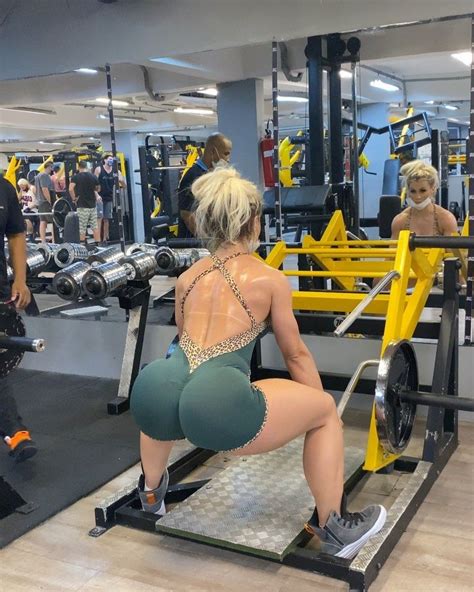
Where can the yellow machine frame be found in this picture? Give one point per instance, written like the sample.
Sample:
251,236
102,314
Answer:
343,261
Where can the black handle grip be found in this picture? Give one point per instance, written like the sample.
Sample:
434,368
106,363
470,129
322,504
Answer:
441,242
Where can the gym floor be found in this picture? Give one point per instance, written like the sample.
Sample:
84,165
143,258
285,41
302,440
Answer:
435,553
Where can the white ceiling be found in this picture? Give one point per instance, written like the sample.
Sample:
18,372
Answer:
409,53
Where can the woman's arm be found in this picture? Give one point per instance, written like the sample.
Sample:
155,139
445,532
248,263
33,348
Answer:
398,224
178,294
298,359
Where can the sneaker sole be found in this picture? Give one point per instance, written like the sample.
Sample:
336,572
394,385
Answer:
25,454
350,551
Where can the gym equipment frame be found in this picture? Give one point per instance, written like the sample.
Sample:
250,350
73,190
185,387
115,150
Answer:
204,504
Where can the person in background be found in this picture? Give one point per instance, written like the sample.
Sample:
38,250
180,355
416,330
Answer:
106,181
28,205
423,216
12,430
59,180
217,151
45,196
83,189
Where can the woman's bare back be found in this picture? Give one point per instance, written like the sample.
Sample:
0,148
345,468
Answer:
212,310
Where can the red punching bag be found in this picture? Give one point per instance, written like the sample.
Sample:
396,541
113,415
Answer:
266,149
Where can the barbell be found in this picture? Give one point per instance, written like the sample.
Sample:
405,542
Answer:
59,211
13,340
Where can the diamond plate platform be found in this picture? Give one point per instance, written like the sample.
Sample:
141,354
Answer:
258,505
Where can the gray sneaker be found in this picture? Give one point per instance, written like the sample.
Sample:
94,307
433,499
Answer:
344,536
153,501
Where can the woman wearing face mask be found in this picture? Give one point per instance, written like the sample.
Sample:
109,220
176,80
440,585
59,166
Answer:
203,392
423,216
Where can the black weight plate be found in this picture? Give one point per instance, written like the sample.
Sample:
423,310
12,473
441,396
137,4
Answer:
398,371
61,209
11,325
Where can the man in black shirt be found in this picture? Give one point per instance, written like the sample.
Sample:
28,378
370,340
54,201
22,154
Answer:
12,226
217,152
83,190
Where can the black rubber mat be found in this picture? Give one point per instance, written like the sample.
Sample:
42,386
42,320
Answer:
81,447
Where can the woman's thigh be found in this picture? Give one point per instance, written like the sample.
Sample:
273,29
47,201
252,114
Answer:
292,410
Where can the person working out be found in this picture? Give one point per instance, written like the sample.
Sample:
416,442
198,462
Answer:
12,429
83,189
45,196
423,216
203,391
59,180
105,174
28,205
217,152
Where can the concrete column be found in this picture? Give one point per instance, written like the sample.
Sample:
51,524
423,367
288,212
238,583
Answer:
240,112
377,151
127,142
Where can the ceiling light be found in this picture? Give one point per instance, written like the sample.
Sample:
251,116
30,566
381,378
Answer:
52,143
115,102
429,102
210,92
121,117
345,74
92,138
33,110
86,71
384,85
196,111
463,56
450,107
285,99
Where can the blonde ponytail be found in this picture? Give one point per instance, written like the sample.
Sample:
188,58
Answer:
227,206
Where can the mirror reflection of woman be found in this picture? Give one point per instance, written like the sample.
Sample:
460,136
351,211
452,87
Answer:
423,216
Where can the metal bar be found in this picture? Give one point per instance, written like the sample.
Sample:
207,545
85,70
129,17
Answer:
345,252
446,362
335,273
470,170
348,243
441,242
22,343
355,147
335,110
437,400
355,314
145,193
118,202
276,142
314,53
349,391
